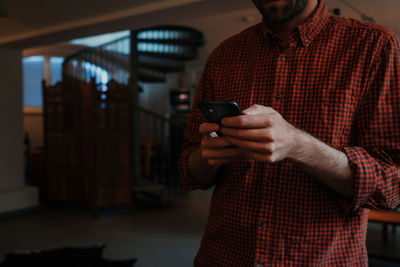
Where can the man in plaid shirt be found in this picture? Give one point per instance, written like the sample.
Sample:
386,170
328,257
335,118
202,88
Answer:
318,144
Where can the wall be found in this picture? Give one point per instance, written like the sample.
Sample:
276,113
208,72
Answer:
33,125
11,137
13,193
155,96
219,27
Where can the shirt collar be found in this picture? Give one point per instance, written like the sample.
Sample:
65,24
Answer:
308,30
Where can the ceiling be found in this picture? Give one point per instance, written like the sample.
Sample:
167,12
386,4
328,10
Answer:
24,14
26,24
32,23
25,19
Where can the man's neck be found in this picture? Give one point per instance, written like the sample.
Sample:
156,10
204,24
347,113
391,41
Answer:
283,30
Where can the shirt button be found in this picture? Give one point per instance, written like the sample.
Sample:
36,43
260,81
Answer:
306,41
264,224
259,265
283,58
279,96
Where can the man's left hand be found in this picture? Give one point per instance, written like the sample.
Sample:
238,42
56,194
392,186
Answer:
262,132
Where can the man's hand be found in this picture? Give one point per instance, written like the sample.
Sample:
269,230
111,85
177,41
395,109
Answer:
212,153
266,136
262,132
216,150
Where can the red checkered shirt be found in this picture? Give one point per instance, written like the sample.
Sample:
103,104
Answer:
337,79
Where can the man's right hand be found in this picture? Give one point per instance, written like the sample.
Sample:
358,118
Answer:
212,153
216,150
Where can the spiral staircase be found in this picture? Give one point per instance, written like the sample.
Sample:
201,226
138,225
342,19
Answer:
160,50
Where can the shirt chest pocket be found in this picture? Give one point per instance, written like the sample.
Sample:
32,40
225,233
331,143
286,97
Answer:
337,108
327,112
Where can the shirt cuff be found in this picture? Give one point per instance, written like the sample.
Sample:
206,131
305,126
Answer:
362,166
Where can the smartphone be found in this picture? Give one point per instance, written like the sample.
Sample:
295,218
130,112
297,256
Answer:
215,111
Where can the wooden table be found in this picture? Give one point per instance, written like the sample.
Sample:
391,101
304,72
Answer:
386,218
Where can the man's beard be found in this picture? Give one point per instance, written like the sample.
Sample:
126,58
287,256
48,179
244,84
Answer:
292,10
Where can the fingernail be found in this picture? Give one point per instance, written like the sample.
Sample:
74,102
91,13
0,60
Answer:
213,134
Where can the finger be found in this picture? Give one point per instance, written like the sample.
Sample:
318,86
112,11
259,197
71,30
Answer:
248,121
262,147
261,135
228,153
213,134
263,157
214,142
218,162
207,128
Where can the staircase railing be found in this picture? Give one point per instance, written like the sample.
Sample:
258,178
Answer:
103,63
161,139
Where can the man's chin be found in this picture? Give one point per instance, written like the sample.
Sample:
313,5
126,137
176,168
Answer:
273,17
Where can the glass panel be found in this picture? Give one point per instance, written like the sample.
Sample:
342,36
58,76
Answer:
32,80
56,69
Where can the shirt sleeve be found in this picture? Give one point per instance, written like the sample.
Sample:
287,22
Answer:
192,137
375,160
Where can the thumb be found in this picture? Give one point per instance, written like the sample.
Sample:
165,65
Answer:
259,109
253,110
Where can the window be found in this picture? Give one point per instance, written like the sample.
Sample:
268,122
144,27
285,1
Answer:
33,76
32,68
56,69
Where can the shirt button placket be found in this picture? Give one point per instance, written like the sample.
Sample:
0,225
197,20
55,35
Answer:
261,229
